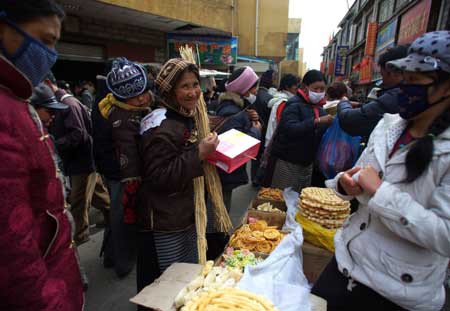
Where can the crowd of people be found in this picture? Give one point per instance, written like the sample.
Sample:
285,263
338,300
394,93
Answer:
130,147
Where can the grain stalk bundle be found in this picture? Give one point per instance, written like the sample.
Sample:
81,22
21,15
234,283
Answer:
213,185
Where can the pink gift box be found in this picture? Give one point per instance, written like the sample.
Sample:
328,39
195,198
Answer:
234,150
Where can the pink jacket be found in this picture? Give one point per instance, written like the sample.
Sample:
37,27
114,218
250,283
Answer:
38,267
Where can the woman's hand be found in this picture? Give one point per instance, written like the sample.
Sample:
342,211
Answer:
347,183
253,115
369,180
256,124
324,120
208,145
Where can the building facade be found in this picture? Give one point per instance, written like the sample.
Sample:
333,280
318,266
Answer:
148,31
293,62
372,26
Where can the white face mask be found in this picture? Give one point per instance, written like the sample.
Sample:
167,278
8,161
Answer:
251,98
316,97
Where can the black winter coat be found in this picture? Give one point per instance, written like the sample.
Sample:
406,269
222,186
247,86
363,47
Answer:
72,130
297,138
361,121
104,152
232,105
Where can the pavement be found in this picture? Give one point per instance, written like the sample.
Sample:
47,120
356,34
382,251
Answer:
109,293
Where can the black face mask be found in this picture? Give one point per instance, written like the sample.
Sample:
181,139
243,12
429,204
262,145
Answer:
413,99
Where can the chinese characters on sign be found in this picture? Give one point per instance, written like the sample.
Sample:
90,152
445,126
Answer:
340,68
212,50
414,22
365,73
371,38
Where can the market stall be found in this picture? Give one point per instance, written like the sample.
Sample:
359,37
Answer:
262,260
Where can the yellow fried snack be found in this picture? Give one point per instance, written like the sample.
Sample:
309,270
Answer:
258,234
260,225
264,247
271,194
229,299
271,234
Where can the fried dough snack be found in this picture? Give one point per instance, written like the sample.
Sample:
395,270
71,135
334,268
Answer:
229,299
256,237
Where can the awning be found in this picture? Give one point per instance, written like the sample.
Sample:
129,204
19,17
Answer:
80,52
251,59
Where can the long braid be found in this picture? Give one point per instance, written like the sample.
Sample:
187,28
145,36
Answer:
421,153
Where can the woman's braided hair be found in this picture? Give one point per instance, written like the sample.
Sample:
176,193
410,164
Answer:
421,153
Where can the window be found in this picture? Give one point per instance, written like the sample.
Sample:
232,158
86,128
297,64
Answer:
386,10
360,33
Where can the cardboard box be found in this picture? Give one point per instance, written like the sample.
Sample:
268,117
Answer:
161,294
315,259
234,150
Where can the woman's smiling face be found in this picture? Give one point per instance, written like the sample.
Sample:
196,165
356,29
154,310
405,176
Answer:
187,91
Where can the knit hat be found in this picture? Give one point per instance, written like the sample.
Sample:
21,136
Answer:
243,83
126,79
430,52
267,79
169,75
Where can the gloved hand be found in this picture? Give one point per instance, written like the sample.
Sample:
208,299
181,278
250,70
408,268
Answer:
129,198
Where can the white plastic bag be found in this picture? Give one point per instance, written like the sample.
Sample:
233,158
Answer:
291,198
280,277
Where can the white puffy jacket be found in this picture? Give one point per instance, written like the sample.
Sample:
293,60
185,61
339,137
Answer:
273,104
398,242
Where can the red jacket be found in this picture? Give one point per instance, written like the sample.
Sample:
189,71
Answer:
38,267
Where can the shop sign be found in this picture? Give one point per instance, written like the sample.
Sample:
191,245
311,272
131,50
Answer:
371,38
340,68
322,67
212,50
414,22
385,40
365,72
386,36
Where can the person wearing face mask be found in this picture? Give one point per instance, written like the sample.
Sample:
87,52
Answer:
360,121
287,90
236,105
124,107
300,129
172,155
37,259
393,253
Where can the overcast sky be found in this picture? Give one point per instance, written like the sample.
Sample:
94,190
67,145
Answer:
319,19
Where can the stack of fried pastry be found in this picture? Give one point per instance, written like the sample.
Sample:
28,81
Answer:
257,237
323,206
